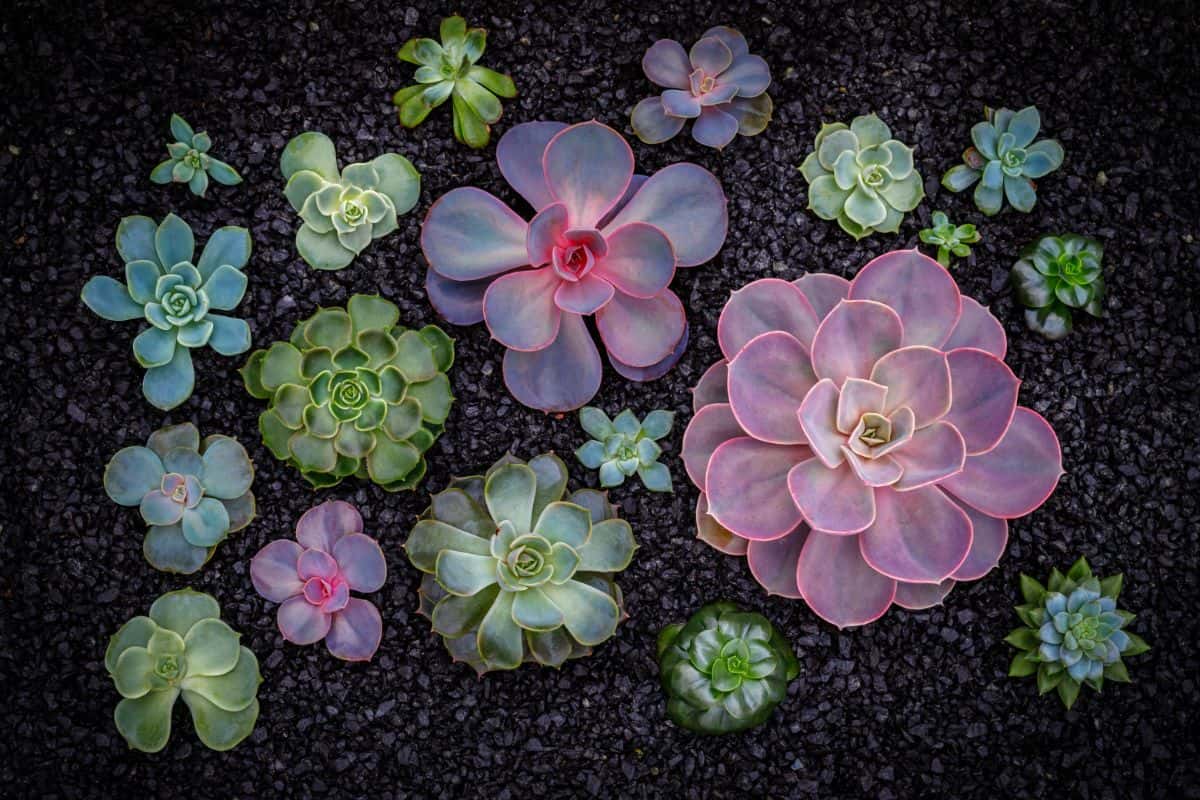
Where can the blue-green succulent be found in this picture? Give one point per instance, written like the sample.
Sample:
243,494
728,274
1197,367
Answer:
622,447
189,160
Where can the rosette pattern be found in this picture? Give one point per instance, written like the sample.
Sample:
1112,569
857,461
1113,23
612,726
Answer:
861,442
1055,275
950,239
623,447
190,162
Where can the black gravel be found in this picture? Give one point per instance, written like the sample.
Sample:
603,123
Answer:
915,705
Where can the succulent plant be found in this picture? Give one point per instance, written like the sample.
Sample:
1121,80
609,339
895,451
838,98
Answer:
861,442
950,239
313,576
1005,160
354,393
190,162
343,212
718,83
1073,632
448,71
191,493
603,241
862,177
514,572
725,670
176,298
1055,275
183,648
623,447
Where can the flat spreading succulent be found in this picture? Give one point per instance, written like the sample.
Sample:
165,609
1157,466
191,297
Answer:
313,576
718,83
862,177
190,162
725,670
176,298
624,447
950,239
1073,632
183,648
448,71
514,572
603,241
343,212
861,442
191,493
354,393
1055,275
1005,160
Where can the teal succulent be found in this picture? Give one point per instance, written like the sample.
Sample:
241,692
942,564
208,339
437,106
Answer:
344,211
950,239
176,298
190,162
1055,275
623,447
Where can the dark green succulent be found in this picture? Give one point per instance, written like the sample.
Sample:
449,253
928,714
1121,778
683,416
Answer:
950,239
190,162
1055,275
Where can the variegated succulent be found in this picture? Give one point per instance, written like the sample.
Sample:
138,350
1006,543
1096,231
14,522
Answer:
190,161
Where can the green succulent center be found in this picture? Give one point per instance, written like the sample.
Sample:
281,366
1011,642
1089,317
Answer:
353,211
1013,158
874,176
525,562
1086,630
179,301
737,665
1070,264
876,430
169,667
192,159
349,393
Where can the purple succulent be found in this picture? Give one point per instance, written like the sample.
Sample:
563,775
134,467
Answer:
602,241
313,576
718,83
861,442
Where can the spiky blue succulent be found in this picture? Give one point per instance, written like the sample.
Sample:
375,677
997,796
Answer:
625,446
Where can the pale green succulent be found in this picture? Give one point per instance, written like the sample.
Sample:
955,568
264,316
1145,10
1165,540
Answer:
191,162
624,447
950,239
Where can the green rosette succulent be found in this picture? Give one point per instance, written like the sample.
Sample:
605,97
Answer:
517,569
623,447
190,162
725,670
862,177
1055,275
344,211
353,393
183,649
950,239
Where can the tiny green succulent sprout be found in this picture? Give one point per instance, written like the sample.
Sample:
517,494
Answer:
190,162
624,446
1073,633
344,211
448,71
950,239
1054,276
183,648
862,177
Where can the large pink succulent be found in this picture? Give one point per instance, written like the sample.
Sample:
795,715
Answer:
603,241
861,442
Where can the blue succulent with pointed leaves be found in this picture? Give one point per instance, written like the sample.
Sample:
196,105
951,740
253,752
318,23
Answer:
189,160
623,447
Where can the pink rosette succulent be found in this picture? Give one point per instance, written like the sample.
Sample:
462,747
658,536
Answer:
603,241
861,442
313,576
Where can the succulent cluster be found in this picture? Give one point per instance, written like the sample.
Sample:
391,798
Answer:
1055,275
190,162
624,446
950,239
183,648
514,572
354,393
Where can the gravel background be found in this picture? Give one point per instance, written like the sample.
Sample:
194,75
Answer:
915,705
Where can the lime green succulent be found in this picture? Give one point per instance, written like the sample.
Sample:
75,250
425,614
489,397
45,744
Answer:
951,239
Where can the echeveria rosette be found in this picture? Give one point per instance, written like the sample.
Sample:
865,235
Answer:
1055,275
1005,160
517,569
718,83
176,297
1073,632
861,442
725,670
625,446
950,239
344,211
191,493
448,71
312,578
353,393
603,241
190,162
183,649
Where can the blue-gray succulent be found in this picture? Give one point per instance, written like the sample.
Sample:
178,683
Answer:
623,447
189,160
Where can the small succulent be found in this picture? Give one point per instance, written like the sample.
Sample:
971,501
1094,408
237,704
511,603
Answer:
183,648
725,670
862,177
176,298
448,71
1004,160
189,160
718,83
313,576
950,239
354,393
516,573
191,493
1055,275
344,211
1073,632
622,447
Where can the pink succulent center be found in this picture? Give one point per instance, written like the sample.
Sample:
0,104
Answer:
326,592
573,261
702,83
